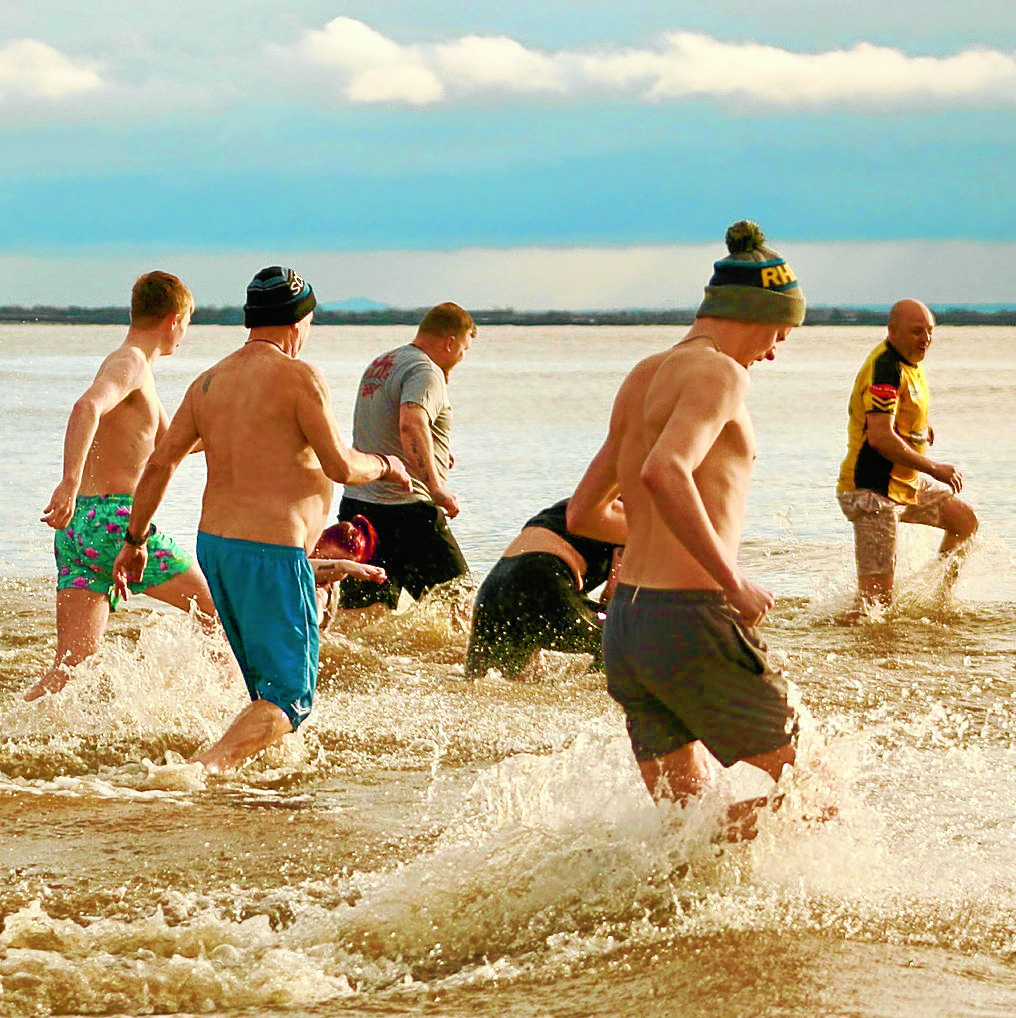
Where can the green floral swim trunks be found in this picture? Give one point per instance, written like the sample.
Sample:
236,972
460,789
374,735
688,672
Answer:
87,548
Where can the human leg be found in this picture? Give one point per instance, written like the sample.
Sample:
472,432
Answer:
189,590
875,520
742,817
694,682
681,775
259,725
418,549
437,557
186,590
266,600
875,588
525,603
959,523
81,619
415,547
937,506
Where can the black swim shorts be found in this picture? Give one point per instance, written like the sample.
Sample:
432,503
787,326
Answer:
415,547
527,602
684,668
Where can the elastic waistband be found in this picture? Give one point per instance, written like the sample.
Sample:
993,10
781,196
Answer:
547,558
119,498
258,547
400,500
627,594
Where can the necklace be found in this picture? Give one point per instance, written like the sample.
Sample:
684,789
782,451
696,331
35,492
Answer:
269,342
688,339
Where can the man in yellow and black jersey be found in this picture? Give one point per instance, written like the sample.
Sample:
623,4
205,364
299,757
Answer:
887,475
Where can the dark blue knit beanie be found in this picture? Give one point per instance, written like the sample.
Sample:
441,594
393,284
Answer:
277,296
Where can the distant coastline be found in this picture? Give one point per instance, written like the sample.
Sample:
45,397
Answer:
46,315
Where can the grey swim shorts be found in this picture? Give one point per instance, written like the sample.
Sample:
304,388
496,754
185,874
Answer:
876,519
684,668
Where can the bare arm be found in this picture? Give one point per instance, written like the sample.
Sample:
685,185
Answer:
163,422
612,578
120,375
176,443
883,438
593,509
418,449
328,570
698,416
340,462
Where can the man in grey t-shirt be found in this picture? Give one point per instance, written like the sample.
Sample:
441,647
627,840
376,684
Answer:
402,408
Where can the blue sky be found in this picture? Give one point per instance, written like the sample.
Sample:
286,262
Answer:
572,154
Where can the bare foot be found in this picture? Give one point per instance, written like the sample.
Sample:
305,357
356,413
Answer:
259,725
52,682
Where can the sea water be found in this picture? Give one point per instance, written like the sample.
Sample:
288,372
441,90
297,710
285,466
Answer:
432,845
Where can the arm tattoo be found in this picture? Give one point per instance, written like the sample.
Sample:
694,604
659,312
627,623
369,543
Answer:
419,461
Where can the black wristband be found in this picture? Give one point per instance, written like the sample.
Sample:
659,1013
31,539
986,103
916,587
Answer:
386,465
137,542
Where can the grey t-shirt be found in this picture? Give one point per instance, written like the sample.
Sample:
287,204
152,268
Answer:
403,375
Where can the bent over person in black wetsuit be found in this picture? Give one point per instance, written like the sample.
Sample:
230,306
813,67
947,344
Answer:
533,597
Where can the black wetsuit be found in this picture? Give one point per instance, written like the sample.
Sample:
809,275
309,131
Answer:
529,601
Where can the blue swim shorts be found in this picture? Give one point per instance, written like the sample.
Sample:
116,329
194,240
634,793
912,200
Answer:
264,594
87,548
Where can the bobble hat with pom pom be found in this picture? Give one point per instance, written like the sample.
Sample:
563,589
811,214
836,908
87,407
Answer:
753,284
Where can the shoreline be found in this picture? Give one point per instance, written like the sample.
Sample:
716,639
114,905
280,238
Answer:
845,315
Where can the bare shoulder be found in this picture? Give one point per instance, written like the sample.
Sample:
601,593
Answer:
124,371
641,376
688,368
125,360
699,384
311,376
708,361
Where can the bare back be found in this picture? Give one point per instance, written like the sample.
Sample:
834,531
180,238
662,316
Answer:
680,416
265,482
126,433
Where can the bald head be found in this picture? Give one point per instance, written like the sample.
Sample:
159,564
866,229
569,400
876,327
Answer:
908,308
911,325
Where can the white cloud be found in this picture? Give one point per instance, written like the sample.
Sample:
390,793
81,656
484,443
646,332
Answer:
349,63
365,67
34,70
476,62
375,69
873,75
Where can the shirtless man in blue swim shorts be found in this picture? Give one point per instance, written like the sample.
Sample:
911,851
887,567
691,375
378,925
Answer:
111,432
681,653
273,450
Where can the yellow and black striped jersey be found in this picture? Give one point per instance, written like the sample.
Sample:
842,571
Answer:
886,384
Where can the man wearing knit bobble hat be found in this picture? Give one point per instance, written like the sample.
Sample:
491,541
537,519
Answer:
273,450
681,653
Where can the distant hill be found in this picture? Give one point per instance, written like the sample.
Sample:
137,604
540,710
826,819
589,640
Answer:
377,314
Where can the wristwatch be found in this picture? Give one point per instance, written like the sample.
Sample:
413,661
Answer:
137,542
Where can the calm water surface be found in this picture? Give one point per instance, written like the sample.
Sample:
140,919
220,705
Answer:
433,846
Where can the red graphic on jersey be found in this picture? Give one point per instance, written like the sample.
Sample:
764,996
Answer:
885,391
884,398
382,367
